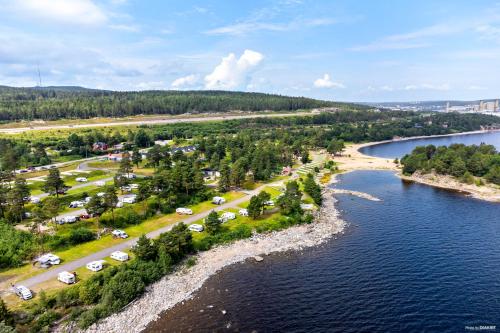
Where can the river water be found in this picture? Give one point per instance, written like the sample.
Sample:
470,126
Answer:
421,260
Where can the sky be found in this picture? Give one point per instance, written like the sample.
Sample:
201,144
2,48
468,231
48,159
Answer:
344,50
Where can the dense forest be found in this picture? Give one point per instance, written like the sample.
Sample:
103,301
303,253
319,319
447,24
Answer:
54,103
458,160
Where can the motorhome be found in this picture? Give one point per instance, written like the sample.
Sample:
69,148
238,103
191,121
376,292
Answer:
130,199
184,211
119,255
66,277
95,266
76,204
23,292
218,200
48,260
227,216
119,234
195,227
67,219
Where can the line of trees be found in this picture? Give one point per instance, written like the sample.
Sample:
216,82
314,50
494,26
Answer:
458,160
60,103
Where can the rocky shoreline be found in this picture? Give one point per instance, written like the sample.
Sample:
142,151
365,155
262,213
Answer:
181,285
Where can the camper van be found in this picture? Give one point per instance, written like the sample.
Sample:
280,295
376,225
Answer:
23,292
95,266
218,200
130,199
243,212
119,234
48,260
196,227
227,216
66,277
184,211
76,204
119,255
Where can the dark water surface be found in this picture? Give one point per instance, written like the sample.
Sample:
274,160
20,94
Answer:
421,260
400,148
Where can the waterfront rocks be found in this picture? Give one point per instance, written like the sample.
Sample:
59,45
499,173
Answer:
181,285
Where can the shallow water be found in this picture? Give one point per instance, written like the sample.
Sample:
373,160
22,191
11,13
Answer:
421,260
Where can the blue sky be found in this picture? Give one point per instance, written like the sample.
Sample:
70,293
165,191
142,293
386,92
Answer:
339,50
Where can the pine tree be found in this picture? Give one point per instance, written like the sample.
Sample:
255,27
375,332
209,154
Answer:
225,177
54,183
136,157
145,249
212,223
110,199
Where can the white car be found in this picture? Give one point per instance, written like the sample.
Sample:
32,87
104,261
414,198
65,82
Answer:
130,176
48,260
243,212
119,233
81,179
218,200
119,255
126,188
35,200
269,203
134,186
184,211
196,227
23,292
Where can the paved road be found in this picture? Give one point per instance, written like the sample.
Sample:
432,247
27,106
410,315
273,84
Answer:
73,265
15,130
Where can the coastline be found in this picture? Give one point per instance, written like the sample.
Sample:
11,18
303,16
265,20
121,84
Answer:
356,160
181,285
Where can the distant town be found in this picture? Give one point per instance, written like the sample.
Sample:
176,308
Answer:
490,106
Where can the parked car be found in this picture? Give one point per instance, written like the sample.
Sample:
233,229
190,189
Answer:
119,255
218,200
66,277
23,292
76,204
243,212
35,200
81,179
68,219
126,188
134,186
195,227
184,211
269,203
119,234
130,176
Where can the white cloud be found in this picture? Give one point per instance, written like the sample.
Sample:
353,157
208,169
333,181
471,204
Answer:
75,12
474,87
253,26
232,73
427,86
326,82
123,27
184,81
150,85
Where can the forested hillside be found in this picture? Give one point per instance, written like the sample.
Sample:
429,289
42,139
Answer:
53,103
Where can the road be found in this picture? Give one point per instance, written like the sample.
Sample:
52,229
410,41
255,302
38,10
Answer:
15,130
73,265
83,185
